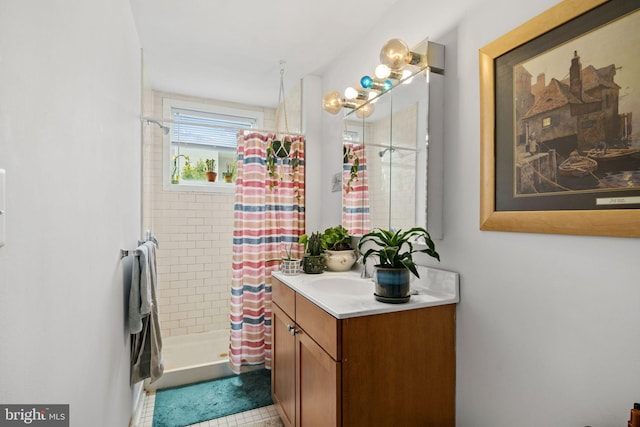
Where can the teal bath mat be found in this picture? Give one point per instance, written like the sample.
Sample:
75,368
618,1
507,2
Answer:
194,403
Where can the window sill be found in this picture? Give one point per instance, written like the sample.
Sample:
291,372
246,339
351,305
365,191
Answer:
202,187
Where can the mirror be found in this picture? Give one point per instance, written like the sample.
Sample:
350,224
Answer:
392,159
385,146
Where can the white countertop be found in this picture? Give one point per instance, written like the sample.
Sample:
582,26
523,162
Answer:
345,295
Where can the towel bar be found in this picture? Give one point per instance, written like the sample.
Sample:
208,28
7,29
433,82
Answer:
132,252
125,253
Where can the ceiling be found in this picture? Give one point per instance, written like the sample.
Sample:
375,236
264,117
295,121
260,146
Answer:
231,49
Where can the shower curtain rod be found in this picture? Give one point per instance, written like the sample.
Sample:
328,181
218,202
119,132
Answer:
160,122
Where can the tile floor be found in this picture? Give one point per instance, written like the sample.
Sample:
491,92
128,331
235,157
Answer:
267,415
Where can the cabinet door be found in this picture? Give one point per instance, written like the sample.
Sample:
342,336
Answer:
283,366
318,385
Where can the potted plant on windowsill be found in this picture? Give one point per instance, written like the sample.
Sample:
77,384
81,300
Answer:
395,260
313,260
228,174
211,170
175,171
339,253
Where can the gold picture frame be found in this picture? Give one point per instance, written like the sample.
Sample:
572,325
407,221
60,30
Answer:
611,220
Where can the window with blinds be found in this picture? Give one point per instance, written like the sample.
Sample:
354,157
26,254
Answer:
203,128
202,139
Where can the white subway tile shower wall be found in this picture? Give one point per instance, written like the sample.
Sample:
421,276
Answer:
195,232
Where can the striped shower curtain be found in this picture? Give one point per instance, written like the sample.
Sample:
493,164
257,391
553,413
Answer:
355,195
268,219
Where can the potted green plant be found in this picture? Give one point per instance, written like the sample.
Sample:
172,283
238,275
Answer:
394,251
175,171
211,170
228,174
349,157
281,148
339,253
313,260
278,154
290,265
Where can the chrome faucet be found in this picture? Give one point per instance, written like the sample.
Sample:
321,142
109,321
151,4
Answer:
364,274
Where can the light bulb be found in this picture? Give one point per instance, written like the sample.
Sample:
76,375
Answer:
332,102
366,82
365,111
350,93
382,71
396,54
379,85
406,77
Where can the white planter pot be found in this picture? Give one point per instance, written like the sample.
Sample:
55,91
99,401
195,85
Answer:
340,260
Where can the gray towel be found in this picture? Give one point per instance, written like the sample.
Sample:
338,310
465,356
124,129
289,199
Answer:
140,302
147,276
144,323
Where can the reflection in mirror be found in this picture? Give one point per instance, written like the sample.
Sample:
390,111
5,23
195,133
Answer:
384,170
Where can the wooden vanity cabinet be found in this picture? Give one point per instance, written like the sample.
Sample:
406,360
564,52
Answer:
391,369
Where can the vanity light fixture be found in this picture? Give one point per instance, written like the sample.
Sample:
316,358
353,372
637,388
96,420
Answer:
398,64
333,103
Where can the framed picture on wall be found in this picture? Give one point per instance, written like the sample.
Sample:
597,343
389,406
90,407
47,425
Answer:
560,122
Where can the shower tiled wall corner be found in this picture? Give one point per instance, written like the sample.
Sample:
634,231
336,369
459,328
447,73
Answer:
194,230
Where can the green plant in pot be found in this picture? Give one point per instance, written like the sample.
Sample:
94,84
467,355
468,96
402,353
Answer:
290,265
175,171
339,253
211,173
350,157
394,251
313,259
228,174
281,148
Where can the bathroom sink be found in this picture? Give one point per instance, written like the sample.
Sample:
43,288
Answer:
341,286
345,294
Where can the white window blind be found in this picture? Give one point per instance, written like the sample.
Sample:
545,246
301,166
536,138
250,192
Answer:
204,128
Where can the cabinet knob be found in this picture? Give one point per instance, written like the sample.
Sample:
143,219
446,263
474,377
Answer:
292,330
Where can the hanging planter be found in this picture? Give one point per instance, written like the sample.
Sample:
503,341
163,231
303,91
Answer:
350,157
281,149
281,153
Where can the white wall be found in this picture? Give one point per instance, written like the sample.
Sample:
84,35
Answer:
548,327
70,142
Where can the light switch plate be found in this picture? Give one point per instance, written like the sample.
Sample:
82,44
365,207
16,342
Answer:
3,207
